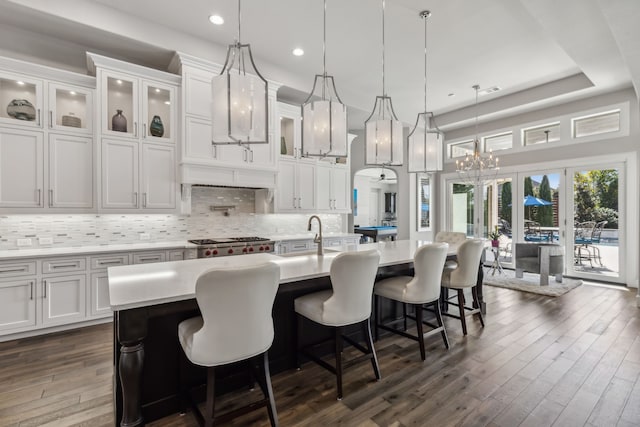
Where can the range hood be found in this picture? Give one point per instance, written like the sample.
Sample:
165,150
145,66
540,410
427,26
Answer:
206,174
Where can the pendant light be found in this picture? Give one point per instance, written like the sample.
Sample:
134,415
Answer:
425,143
477,167
383,130
240,104
324,116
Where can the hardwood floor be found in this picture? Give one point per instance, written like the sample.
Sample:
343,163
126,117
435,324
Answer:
540,361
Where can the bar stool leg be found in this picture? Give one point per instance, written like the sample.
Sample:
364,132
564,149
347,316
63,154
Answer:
211,395
374,359
338,343
441,324
271,408
376,310
461,307
298,345
404,315
418,309
474,292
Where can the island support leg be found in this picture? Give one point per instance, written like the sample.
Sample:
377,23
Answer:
132,329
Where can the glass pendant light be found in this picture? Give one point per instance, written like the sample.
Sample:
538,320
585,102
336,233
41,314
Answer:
240,105
383,130
324,116
425,143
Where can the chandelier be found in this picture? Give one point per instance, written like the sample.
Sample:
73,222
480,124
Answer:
240,103
383,130
425,143
477,167
324,116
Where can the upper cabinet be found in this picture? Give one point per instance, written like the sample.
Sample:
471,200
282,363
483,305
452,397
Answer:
21,100
70,109
137,108
290,131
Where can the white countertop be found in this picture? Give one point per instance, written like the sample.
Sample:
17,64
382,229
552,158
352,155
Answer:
141,285
81,250
309,235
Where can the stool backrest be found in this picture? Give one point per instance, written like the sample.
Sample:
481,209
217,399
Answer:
352,277
428,264
469,254
450,237
236,307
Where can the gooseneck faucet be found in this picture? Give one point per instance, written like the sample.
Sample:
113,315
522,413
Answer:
318,238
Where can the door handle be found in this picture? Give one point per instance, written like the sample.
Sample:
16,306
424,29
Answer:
31,286
135,199
39,117
50,197
135,129
44,289
144,200
50,119
144,131
39,197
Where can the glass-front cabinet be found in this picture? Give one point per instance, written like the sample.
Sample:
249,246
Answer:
70,109
137,108
20,100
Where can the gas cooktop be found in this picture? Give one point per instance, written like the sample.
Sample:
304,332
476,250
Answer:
216,241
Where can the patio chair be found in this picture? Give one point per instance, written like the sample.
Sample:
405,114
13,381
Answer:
593,251
583,232
504,227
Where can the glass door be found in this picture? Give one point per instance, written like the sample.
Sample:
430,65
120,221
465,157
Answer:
597,235
540,208
497,208
462,217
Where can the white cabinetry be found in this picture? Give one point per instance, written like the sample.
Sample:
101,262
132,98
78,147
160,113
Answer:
296,190
120,174
17,303
290,131
158,177
70,109
21,96
70,171
333,187
21,168
63,299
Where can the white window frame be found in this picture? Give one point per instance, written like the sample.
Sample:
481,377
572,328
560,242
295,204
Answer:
419,178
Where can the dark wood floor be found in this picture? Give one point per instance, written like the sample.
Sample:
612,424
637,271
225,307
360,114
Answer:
540,361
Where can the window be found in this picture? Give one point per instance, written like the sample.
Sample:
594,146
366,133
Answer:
498,142
541,134
596,124
424,202
460,149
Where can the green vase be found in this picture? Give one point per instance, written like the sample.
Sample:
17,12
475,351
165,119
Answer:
156,128
283,145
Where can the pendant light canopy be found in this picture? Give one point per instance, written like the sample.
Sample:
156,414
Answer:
240,99
425,142
324,116
383,130
476,167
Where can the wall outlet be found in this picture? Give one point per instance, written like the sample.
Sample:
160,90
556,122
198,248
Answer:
45,240
145,236
24,242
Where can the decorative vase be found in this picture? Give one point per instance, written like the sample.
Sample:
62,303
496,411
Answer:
283,145
119,122
156,128
21,109
495,243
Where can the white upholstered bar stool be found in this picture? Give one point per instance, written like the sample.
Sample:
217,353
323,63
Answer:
347,303
417,291
235,325
465,276
454,239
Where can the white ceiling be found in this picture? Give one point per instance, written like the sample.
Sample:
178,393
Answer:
539,52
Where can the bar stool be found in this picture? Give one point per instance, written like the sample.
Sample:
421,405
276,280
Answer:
463,276
347,303
417,291
235,325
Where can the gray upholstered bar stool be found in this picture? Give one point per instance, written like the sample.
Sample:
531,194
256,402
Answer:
465,276
417,291
235,325
453,238
347,303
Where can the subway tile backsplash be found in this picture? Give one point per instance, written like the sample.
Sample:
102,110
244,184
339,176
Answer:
104,229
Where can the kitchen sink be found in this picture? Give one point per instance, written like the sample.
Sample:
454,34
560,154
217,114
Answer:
327,252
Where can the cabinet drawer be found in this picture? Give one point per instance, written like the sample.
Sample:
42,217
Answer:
17,268
299,246
176,255
332,242
63,265
106,261
149,257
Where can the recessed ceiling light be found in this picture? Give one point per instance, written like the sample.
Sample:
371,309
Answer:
216,19
489,90
298,51
157,90
167,102
72,92
119,81
20,83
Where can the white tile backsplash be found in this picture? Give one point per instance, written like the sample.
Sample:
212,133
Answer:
80,230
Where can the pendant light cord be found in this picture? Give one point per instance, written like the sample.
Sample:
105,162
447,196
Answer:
384,92
425,16
324,41
476,143
239,20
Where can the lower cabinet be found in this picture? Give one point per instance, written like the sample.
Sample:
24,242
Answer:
17,304
99,294
63,299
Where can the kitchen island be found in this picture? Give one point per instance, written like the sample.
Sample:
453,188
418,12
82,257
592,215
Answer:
150,300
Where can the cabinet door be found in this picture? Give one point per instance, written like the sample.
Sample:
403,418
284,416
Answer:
70,109
63,299
262,156
21,166
323,174
158,112
21,100
289,130
119,174
287,197
197,144
158,176
306,181
100,294
119,104
341,189
17,304
197,95
70,172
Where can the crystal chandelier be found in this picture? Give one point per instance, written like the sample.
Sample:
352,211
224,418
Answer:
425,143
324,116
383,130
240,103
477,167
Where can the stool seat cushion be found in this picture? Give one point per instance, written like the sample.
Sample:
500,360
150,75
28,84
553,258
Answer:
394,288
186,329
311,306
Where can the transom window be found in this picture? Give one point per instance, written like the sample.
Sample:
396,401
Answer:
596,124
541,134
460,149
499,142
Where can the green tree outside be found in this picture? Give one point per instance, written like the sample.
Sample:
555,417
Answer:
545,213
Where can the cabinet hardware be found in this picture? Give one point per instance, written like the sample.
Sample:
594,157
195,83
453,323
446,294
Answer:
299,202
150,259
65,265
44,288
31,286
39,117
13,270
50,119
144,130
135,129
135,199
294,202
144,200
50,197
109,262
251,151
39,197
215,150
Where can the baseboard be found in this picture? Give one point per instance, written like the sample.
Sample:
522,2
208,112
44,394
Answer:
53,329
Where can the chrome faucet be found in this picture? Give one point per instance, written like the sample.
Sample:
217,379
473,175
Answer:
318,238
